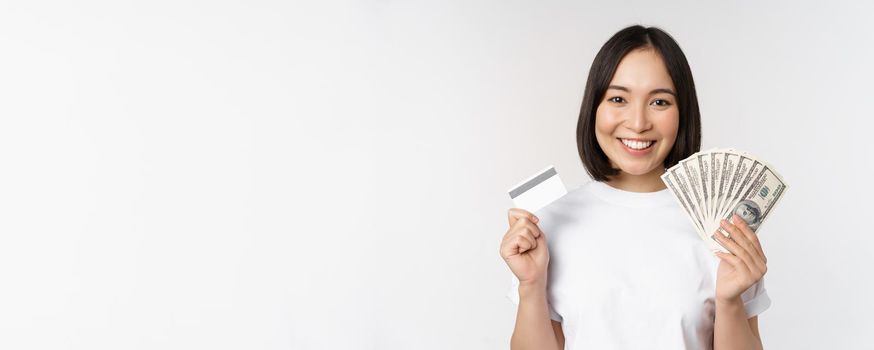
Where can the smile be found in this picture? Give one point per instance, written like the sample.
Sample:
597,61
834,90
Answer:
637,145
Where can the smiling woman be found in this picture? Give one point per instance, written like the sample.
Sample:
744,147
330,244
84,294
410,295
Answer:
613,264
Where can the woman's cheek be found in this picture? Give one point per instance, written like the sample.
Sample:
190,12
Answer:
608,118
669,122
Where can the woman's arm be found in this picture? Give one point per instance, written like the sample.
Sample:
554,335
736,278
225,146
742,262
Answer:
534,329
525,249
737,272
732,330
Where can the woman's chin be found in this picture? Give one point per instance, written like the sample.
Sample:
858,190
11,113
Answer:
637,170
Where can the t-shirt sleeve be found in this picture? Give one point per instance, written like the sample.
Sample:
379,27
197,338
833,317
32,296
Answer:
513,295
756,299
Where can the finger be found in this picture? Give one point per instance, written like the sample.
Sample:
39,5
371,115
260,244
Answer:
541,237
751,235
533,228
525,228
515,245
514,230
514,214
755,264
530,231
523,244
737,245
733,246
524,222
518,224
732,260
741,238
536,233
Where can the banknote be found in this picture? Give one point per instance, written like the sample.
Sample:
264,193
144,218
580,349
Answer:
717,183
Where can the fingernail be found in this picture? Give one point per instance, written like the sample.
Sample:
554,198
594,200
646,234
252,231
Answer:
536,219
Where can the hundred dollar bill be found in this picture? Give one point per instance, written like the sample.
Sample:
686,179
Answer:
753,170
728,165
685,202
693,175
704,165
717,164
714,184
758,200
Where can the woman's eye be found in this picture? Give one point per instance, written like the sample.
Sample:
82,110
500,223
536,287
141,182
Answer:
616,99
661,102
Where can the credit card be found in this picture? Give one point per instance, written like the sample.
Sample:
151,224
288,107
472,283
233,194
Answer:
538,190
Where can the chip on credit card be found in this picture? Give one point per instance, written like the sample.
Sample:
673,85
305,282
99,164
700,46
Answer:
537,191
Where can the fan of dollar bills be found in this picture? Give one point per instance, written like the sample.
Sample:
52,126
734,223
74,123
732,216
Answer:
714,184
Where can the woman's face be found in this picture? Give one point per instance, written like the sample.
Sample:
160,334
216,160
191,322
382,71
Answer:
636,122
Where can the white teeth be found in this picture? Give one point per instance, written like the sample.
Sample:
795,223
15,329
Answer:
637,144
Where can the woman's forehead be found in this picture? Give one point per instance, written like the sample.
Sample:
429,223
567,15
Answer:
642,71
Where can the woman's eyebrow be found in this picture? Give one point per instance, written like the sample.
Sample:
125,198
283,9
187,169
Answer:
653,92
664,90
617,87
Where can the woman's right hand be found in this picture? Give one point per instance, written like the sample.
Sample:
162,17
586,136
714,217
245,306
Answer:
524,247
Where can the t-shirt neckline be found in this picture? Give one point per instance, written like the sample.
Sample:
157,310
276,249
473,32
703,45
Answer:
628,198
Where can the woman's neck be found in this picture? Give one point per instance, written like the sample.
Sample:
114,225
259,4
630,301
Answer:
649,182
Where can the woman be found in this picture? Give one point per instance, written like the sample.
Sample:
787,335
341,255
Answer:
622,268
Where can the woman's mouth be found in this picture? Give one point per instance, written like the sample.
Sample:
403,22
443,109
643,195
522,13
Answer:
637,147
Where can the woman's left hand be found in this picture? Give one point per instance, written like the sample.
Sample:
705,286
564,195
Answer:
745,266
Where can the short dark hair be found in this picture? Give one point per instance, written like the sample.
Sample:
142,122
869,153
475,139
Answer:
604,66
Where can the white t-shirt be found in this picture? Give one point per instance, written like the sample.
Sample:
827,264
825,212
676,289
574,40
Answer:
627,270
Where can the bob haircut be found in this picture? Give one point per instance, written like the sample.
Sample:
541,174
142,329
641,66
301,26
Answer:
604,66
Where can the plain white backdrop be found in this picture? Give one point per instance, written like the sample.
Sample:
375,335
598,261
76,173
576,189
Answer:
332,175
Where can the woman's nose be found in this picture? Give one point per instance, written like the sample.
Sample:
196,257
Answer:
638,120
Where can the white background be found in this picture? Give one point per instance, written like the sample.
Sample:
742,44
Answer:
274,175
